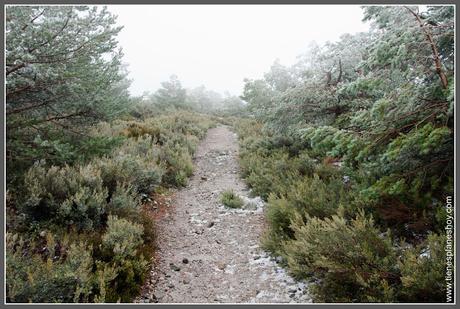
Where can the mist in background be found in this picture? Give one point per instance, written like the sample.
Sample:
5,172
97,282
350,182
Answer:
220,45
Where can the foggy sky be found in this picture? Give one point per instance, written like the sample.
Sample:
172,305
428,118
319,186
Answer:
220,45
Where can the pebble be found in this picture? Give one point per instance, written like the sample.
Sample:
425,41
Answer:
174,267
221,266
185,260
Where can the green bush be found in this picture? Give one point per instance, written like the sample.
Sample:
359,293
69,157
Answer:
142,175
124,203
423,271
230,199
121,241
122,237
272,173
317,198
131,274
68,196
31,278
353,261
279,214
179,165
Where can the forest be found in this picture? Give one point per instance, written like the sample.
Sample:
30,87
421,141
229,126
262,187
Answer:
351,150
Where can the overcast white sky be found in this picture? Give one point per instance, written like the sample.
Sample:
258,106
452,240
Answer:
220,45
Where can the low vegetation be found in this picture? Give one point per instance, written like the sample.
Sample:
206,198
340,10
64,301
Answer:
231,199
352,148
80,233
85,158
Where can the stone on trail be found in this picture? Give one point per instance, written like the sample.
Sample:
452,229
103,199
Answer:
174,267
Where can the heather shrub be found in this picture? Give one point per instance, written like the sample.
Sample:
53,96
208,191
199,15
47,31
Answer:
231,199
124,203
179,165
312,196
68,196
269,174
131,274
182,123
423,271
169,140
122,237
55,278
141,147
121,242
132,170
353,260
138,130
256,174
279,214
144,218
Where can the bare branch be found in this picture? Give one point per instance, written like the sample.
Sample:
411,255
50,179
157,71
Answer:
434,49
33,19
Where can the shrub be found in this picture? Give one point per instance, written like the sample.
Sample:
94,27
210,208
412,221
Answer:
122,237
353,261
30,278
143,176
311,196
69,196
137,130
179,165
279,214
131,275
230,199
122,240
423,270
271,173
124,203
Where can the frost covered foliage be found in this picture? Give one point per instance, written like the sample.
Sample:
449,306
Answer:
65,196
172,97
352,148
80,162
63,73
89,235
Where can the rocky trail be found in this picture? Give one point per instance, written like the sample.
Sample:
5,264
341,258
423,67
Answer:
208,253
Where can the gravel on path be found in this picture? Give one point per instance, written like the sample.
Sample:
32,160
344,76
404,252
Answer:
207,253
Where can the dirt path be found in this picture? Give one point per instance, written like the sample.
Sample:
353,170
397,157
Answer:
208,253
